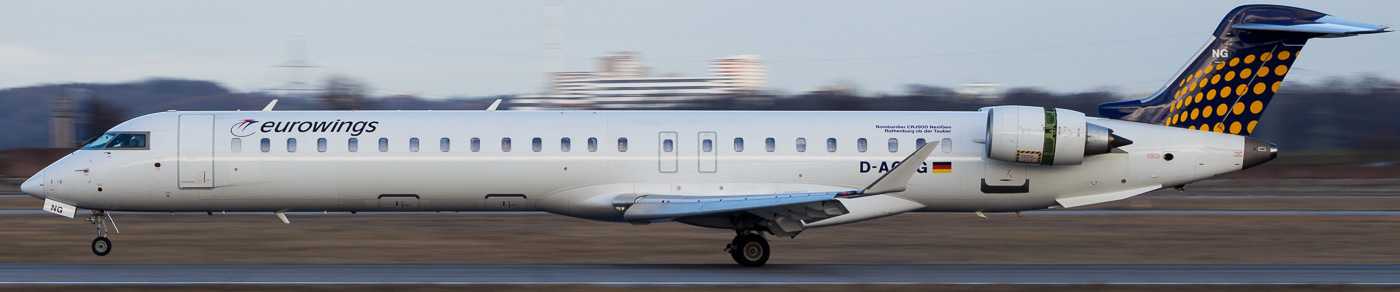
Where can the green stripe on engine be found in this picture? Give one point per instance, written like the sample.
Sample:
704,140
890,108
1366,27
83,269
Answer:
1047,156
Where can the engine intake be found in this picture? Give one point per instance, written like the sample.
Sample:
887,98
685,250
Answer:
1045,136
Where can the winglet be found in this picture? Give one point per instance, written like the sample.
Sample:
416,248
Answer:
494,105
269,106
898,178
283,216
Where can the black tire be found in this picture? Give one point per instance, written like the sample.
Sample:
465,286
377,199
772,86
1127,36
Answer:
101,246
750,250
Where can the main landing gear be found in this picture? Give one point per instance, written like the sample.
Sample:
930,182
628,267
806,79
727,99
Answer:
749,249
101,245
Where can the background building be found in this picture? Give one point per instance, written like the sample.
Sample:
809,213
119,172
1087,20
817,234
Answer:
622,83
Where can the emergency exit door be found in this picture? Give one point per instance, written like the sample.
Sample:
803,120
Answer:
708,154
196,151
667,152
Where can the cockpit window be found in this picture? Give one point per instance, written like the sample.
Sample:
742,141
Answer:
101,141
118,140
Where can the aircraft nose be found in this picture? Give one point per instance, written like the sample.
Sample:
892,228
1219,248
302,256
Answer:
33,186
1258,152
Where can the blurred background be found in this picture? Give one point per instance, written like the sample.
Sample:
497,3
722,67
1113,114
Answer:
71,70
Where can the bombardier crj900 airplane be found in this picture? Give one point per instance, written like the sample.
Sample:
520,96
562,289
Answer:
757,173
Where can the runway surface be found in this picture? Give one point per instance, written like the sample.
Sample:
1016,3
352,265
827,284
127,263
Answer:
627,274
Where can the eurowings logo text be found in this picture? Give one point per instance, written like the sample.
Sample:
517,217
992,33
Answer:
248,127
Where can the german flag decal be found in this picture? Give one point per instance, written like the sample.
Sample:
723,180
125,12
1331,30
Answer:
940,167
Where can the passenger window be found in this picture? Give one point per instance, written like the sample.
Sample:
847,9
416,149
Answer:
536,144
266,145
444,144
946,144
770,144
321,145
353,144
738,144
801,144
564,144
383,144
622,144
894,145
236,145
505,144
291,144
830,144
708,145
860,145
412,144
668,145
592,144
476,144
920,143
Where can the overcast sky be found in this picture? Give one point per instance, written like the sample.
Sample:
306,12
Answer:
477,48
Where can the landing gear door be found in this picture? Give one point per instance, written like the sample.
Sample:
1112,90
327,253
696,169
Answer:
196,148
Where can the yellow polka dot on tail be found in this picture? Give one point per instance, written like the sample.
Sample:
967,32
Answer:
1229,75
1191,128
1198,96
1234,61
1281,69
1235,128
1206,113
1240,90
1238,109
1256,107
1281,56
1259,88
1195,113
1245,73
1250,128
1249,59
1225,92
1265,57
1210,95
1220,110
1219,127
1219,65
1263,71
1274,87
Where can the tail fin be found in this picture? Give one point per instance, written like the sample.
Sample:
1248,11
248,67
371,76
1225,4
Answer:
1226,87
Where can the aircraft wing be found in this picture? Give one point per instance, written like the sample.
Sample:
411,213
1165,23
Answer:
806,205
786,211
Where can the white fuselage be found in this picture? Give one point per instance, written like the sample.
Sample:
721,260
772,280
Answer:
206,166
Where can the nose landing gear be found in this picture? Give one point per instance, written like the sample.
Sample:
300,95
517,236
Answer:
749,249
101,245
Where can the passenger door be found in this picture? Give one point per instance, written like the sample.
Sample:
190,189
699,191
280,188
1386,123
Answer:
196,148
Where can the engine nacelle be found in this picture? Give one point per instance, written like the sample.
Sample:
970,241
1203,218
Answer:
1045,136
